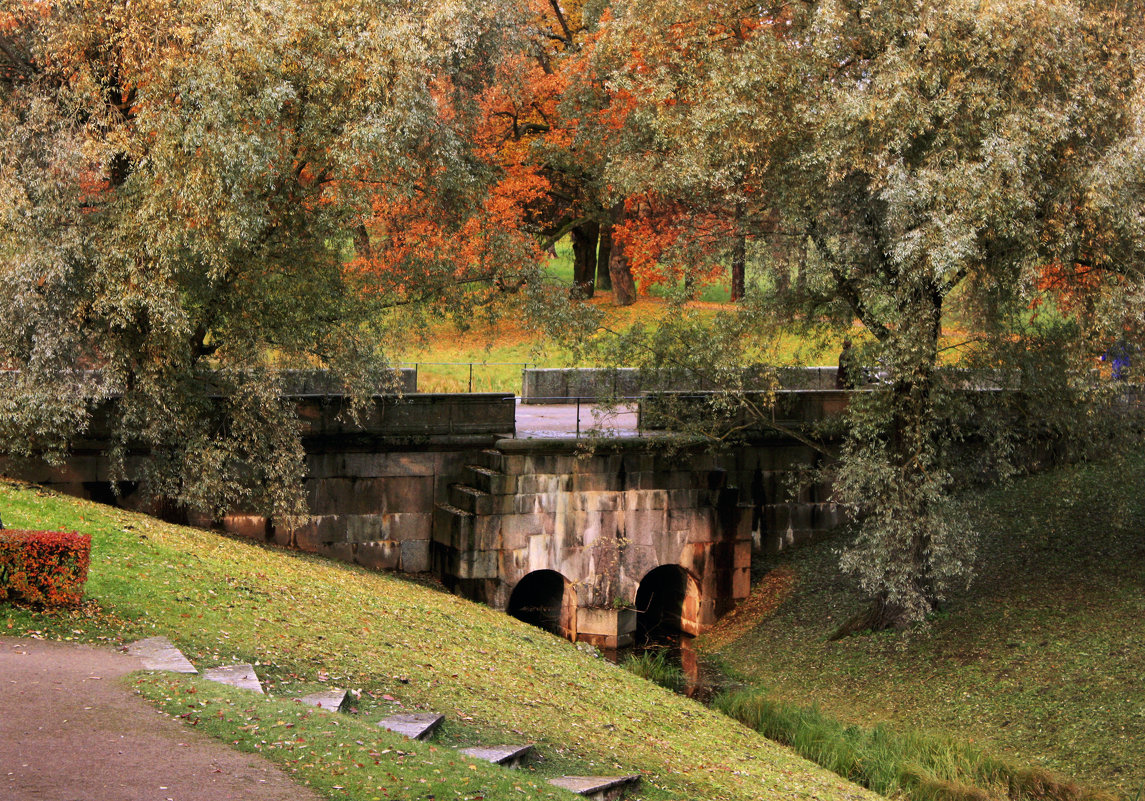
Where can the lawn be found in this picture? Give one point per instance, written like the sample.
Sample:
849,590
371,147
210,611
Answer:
1041,661
308,622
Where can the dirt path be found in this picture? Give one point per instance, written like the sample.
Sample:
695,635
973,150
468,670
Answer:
70,730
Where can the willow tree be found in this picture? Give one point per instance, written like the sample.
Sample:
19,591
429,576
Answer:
904,157
180,189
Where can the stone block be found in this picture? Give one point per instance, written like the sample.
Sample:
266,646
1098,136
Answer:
342,551
606,628
742,555
594,482
541,553
543,484
255,527
509,756
332,700
486,532
355,528
471,499
490,481
597,788
241,675
159,653
596,501
304,537
645,526
370,465
741,583
637,500
478,565
416,726
446,522
385,555
516,530
415,556
513,565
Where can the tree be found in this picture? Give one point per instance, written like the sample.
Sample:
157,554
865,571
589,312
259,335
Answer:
913,156
180,187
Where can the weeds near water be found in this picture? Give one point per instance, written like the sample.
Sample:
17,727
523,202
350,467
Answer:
657,667
923,767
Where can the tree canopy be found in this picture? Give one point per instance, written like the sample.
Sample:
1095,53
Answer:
895,162
180,185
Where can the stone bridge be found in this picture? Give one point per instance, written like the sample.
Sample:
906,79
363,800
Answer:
638,532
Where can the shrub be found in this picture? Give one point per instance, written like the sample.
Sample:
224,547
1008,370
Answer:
47,567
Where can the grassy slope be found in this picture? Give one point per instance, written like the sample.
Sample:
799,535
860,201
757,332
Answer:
305,620
1042,659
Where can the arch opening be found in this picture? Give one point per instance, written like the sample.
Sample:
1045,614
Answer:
667,604
547,600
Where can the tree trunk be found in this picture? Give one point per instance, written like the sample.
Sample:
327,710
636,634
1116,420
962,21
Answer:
623,285
880,615
603,278
584,243
739,255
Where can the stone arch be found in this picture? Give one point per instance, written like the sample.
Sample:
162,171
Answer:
547,600
667,600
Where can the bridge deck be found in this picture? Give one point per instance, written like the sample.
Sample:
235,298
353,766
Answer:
544,421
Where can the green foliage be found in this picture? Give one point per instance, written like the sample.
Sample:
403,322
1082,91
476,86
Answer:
177,185
904,157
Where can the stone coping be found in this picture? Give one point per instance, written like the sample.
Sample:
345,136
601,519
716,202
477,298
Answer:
415,725
241,675
158,653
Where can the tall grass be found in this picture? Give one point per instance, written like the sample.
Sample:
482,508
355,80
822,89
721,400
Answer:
657,667
923,767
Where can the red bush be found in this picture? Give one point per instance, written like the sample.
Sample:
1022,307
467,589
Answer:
48,567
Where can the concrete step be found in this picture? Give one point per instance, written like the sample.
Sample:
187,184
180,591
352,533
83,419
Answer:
598,788
416,726
241,675
488,480
333,700
158,653
509,756
470,499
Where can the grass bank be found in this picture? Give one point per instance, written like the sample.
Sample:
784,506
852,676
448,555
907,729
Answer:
1041,662
307,622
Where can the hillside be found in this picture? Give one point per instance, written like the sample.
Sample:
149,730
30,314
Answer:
307,622
1040,661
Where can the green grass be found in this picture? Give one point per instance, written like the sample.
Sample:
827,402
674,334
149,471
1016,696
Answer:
892,762
309,622
1041,662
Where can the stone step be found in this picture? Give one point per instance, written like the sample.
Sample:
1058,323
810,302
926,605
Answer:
333,700
158,653
488,480
492,459
415,725
598,788
510,756
241,675
470,499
